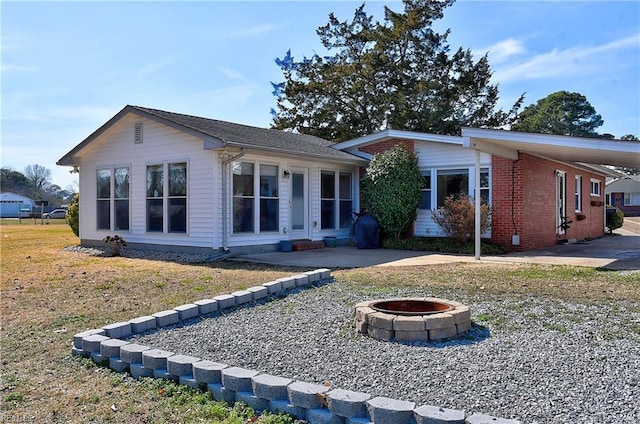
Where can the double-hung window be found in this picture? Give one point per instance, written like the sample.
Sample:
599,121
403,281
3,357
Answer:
452,182
269,201
112,199
595,187
336,199
327,200
346,200
578,195
426,191
167,197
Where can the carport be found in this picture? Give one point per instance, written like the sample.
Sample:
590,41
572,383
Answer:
509,144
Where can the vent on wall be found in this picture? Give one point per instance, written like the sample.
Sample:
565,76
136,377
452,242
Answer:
137,138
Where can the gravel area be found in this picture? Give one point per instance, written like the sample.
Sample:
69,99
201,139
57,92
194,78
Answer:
533,359
155,255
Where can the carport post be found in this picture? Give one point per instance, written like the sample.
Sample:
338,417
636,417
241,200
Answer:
477,211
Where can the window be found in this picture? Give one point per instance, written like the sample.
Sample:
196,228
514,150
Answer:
485,188
595,187
346,200
112,195
269,202
426,191
632,199
327,200
578,193
243,197
246,206
167,197
452,182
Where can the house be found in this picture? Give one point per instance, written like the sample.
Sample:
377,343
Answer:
165,180
538,192
13,205
624,193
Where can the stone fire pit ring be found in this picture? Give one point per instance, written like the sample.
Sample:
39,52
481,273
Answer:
412,319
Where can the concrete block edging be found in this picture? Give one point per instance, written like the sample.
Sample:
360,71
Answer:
315,403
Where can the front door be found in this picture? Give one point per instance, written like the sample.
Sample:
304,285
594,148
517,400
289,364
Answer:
299,204
561,194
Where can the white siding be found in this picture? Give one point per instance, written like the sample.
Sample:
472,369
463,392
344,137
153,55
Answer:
433,156
161,144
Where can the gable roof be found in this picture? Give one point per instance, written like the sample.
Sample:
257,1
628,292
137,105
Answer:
219,134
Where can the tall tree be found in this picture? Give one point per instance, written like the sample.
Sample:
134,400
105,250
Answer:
14,181
398,74
561,113
39,177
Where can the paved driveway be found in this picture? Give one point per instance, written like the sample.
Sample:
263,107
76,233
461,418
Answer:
620,251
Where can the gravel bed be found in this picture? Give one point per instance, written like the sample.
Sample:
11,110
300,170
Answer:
142,254
533,359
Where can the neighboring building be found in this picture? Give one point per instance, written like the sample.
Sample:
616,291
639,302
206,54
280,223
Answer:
15,206
167,180
530,197
624,193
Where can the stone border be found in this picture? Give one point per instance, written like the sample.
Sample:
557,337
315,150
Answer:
317,404
388,326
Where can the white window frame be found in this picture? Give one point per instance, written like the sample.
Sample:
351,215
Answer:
578,193
112,199
166,198
595,187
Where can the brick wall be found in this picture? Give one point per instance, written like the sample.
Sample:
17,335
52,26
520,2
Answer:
524,202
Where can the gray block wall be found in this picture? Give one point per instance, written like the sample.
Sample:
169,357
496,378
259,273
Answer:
317,404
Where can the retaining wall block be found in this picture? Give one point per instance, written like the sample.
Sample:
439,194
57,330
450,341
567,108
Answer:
119,330
273,287
382,320
111,348
362,327
411,336
138,370
305,395
207,372
314,276
118,365
379,333
323,416
164,375
258,292
428,414
207,306
383,410
238,379
463,327
443,333
185,380
257,403
347,403
155,359
188,311
132,353
91,344
77,339
166,318
181,365
437,321
278,405
488,419
271,387
221,393
288,283
242,296
302,280
363,311
225,301
408,323
461,314
142,324
325,273
98,358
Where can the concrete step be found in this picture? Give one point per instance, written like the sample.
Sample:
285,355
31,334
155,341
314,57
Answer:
299,245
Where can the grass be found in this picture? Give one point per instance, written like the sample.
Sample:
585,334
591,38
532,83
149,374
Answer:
49,294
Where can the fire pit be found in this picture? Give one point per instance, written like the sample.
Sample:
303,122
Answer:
412,319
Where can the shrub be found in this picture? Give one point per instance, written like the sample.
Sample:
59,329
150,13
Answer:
73,215
457,217
615,219
116,243
391,189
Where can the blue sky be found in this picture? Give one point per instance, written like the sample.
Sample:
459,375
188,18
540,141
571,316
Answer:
67,67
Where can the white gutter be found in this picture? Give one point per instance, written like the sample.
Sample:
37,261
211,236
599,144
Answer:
225,201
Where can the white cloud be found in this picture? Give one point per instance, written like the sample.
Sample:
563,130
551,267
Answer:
505,50
573,61
256,30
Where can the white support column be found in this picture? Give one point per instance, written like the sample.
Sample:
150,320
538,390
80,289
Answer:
477,203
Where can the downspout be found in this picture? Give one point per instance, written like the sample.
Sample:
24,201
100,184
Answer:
225,200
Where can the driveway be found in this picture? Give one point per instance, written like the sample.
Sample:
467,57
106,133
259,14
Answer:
620,251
